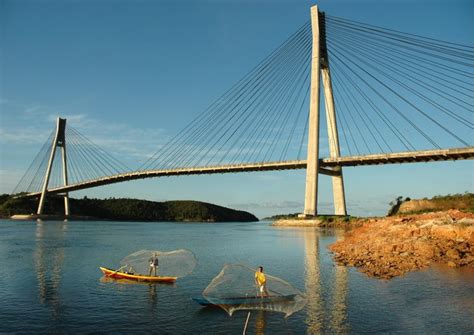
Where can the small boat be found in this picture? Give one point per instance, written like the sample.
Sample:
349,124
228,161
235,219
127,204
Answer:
247,300
118,274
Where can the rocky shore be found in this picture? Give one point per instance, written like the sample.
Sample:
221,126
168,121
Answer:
392,246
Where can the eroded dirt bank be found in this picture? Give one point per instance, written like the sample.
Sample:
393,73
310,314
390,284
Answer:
391,246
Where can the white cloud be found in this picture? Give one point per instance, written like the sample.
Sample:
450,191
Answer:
22,135
120,140
31,124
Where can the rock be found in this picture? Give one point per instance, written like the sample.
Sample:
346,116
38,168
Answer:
466,221
467,260
448,219
452,254
451,264
444,232
426,224
389,247
424,250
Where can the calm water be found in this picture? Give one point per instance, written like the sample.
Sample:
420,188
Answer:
50,282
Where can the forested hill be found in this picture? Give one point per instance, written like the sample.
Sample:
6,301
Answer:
128,209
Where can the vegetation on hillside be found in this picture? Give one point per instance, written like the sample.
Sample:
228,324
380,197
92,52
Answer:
395,205
463,202
281,217
128,209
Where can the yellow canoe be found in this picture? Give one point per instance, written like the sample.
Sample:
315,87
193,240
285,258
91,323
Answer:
138,277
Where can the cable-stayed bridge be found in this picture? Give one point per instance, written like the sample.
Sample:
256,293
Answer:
388,97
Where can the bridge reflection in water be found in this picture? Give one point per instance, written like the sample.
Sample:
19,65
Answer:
316,307
326,311
49,260
315,314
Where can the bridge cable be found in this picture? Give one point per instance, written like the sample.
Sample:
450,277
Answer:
238,103
358,108
402,60
406,101
436,48
388,123
221,120
233,90
438,106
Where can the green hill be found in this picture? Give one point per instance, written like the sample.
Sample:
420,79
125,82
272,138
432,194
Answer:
128,209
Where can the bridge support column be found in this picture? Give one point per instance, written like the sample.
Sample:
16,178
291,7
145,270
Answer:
334,150
312,162
65,179
320,65
59,140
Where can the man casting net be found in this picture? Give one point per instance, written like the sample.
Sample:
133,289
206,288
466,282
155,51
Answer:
239,287
176,263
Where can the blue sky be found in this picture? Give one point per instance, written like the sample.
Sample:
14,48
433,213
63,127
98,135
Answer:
130,74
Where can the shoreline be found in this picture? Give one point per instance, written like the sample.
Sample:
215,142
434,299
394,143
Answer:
323,221
47,217
392,246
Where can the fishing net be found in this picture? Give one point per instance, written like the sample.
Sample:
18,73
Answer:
234,289
176,263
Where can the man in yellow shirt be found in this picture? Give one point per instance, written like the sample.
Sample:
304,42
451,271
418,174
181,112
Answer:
261,282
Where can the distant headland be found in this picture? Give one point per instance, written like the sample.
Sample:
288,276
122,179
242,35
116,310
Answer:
125,209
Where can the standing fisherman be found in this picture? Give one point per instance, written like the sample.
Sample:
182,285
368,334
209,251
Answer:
153,264
261,281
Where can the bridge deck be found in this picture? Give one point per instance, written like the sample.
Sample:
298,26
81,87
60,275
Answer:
325,163
401,157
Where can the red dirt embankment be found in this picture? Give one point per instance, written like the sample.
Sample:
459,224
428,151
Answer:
391,246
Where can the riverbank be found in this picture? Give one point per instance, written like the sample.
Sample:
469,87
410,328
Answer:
392,246
322,221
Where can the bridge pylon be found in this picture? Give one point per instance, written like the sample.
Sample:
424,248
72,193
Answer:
320,67
59,140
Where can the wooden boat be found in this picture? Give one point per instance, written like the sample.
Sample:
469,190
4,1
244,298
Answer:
116,274
247,301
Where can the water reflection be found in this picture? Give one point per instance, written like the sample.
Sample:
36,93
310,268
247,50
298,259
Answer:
145,293
315,309
339,295
152,296
48,260
315,315
260,323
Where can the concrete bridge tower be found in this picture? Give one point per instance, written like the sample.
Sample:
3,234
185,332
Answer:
59,140
320,67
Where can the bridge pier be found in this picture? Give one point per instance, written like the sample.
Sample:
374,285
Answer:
58,141
312,161
334,150
320,66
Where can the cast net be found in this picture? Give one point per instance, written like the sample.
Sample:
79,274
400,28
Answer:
234,288
176,263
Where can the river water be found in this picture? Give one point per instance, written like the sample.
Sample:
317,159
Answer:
51,283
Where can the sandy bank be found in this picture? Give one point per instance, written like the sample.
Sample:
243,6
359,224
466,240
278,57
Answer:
320,221
391,246
296,223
